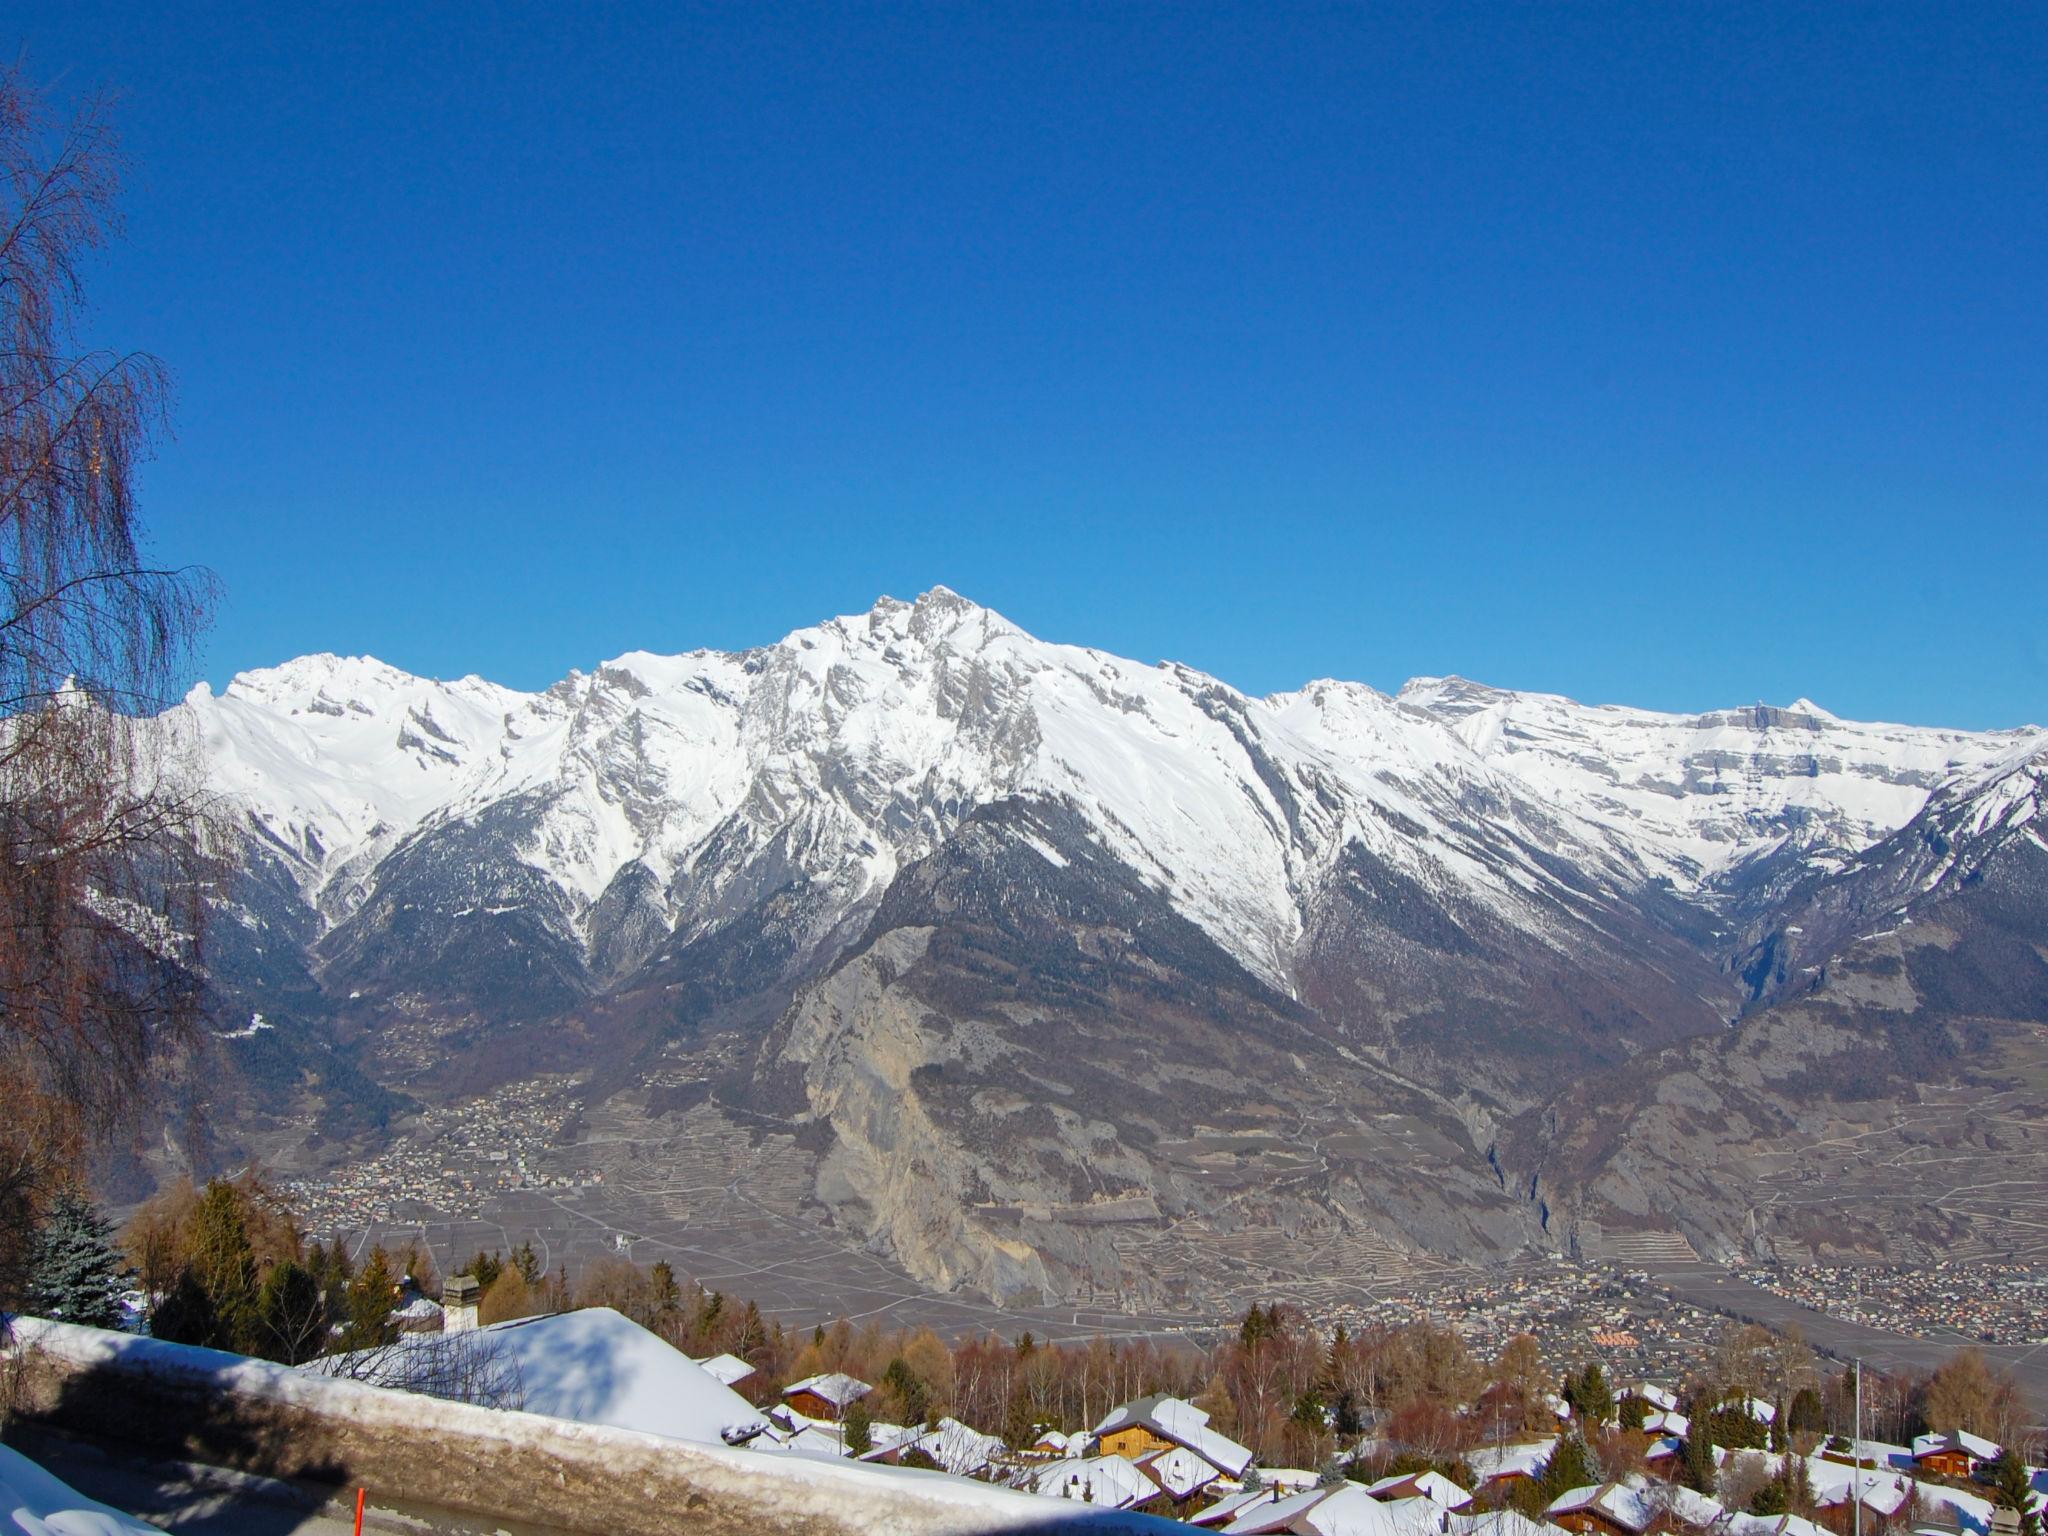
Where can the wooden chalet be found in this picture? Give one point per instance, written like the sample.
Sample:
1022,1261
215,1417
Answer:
1956,1455
825,1397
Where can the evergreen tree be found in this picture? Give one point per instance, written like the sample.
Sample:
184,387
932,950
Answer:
223,1263
1807,1415
665,1299
2013,1487
184,1314
1254,1479
1696,1461
366,1321
527,1262
75,1273
859,1436
1632,1411
1591,1398
1019,1428
1570,1466
1345,1417
912,1396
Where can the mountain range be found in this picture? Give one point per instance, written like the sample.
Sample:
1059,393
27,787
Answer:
1074,976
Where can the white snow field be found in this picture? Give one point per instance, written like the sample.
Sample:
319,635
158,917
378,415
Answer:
33,1503
595,1366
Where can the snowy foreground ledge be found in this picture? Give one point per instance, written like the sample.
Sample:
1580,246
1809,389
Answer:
258,1417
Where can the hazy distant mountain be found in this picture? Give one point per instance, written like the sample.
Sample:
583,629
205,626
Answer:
1055,932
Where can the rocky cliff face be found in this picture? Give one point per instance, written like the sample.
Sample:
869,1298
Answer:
1080,974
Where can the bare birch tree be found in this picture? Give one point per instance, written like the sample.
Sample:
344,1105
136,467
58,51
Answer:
99,908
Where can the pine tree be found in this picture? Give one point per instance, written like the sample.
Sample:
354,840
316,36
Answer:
223,1263
859,1436
75,1273
527,1262
1570,1466
1696,1468
366,1323
665,1300
2013,1487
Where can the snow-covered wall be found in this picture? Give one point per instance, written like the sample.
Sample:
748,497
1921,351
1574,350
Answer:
253,1416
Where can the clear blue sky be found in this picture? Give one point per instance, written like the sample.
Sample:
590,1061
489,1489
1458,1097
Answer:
1672,355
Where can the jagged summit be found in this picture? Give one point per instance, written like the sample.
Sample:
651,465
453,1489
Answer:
1094,901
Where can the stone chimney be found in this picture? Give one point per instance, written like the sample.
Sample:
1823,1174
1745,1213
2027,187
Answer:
459,1297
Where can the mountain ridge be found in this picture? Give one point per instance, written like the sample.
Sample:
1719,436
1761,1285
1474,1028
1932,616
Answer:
1451,901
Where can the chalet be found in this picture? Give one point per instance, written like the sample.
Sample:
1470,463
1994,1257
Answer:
1956,1455
730,1369
1431,1485
1344,1510
1666,1422
1660,1399
1883,1496
825,1397
1186,1481
1497,1468
1663,1451
1158,1423
948,1445
1108,1482
1052,1442
1231,1505
1604,1509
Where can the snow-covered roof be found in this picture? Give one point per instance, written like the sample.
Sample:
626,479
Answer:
1630,1508
36,1502
1230,1506
1429,1484
1755,1407
955,1447
1884,1492
726,1368
1666,1422
594,1366
1976,1447
1180,1421
1108,1482
1256,1519
1496,1522
1179,1470
835,1387
1520,1460
1651,1393
1344,1510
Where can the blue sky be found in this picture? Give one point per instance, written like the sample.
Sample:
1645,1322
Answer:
1670,355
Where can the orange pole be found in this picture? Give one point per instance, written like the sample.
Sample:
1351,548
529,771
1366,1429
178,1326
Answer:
359,1510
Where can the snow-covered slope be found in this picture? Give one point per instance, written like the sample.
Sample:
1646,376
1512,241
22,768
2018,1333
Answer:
658,796
1701,796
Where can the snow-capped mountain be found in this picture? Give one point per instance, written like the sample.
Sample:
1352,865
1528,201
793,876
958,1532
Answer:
685,785
910,864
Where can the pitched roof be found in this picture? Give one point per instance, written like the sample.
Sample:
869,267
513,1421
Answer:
727,1368
1523,1460
1109,1482
835,1387
1179,1470
1428,1484
1627,1507
1175,1419
1976,1447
